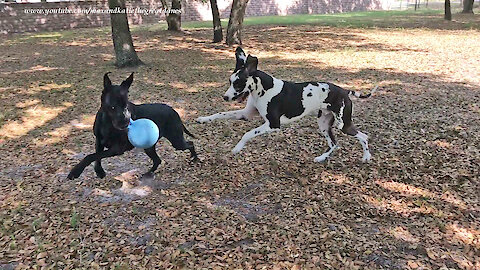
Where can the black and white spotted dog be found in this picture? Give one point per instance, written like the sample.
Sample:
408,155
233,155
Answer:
281,102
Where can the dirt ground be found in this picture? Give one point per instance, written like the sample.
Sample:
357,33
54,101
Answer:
414,206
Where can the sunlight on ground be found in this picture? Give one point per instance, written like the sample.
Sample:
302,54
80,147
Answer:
84,122
55,136
47,87
91,42
339,179
411,191
33,69
404,189
467,236
440,144
454,200
47,35
403,234
31,119
405,208
27,103
184,87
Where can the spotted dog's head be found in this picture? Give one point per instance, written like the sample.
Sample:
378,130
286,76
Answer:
244,68
115,101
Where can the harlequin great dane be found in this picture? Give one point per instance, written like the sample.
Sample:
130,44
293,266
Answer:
281,102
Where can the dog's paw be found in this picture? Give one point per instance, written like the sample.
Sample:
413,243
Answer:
73,174
237,149
321,158
366,157
203,119
148,175
100,172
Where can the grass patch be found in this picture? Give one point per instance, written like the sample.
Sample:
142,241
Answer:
422,18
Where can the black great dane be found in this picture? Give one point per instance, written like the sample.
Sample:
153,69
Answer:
111,127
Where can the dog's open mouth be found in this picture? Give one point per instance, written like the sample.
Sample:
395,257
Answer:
121,127
241,97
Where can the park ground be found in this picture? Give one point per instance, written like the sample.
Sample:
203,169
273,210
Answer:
414,206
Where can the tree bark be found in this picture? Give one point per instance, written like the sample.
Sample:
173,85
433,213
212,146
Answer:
235,23
467,6
448,11
217,24
122,39
174,19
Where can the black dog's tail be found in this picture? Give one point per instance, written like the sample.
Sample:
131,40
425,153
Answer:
358,95
188,132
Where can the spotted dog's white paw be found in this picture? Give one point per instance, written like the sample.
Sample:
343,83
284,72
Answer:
237,149
203,119
366,157
321,158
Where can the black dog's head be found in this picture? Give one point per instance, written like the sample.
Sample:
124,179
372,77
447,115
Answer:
115,101
244,69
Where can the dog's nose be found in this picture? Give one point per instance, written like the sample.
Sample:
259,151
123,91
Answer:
225,98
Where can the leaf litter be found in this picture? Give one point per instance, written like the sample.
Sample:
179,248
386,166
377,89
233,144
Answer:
415,206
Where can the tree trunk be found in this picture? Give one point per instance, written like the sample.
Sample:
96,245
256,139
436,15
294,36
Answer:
448,10
234,30
122,39
467,6
217,24
164,5
174,19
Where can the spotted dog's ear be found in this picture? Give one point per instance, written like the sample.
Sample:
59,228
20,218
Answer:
241,58
251,64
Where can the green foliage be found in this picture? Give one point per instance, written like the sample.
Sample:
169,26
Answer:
74,219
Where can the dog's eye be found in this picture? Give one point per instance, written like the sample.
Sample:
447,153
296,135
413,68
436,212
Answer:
112,108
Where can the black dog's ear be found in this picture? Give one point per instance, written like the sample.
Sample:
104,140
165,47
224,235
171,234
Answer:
126,84
241,57
106,81
251,64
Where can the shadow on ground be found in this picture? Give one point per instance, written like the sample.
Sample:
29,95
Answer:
415,205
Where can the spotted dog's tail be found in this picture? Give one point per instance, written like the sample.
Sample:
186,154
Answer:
358,95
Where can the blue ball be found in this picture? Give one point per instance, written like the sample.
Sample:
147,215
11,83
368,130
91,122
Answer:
143,133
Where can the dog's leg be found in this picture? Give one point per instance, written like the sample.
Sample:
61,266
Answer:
362,138
244,114
179,143
239,114
265,128
325,122
193,154
151,153
349,128
98,164
78,169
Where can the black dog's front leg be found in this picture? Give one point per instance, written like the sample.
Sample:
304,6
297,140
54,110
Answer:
98,163
78,169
